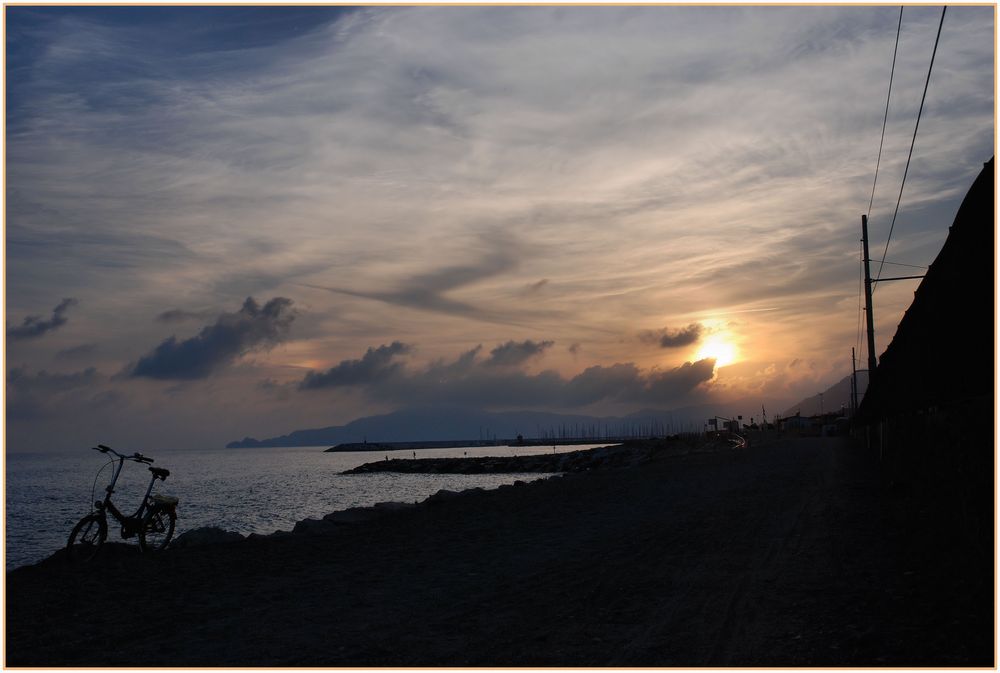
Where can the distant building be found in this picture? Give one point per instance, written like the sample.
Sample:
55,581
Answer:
796,422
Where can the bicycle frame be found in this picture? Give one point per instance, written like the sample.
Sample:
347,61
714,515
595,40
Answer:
130,524
153,522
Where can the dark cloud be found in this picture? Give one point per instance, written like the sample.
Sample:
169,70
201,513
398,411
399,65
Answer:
515,353
32,395
664,385
681,337
464,363
674,338
593,384
252,328
35,326
470,381
377,364
574,349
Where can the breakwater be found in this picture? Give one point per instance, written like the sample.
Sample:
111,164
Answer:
620,455
460,443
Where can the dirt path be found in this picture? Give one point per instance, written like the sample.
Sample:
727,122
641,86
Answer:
781,555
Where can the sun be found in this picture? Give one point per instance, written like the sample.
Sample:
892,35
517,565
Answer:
718,348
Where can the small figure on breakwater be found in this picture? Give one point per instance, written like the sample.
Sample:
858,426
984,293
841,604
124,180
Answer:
387,459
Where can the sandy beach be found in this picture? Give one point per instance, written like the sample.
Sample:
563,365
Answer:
790,554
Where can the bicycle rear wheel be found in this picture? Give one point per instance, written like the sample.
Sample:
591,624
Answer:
157,529
87,537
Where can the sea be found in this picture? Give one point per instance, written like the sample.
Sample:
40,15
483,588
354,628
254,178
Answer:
259,490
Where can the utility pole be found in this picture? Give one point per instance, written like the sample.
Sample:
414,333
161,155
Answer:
854,384
868,300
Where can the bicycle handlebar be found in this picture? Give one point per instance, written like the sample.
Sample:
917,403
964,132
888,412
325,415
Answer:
137,457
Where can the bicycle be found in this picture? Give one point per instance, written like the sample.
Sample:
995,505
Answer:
153,522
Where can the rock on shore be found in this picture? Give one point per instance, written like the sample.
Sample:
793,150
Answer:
629,453
605,457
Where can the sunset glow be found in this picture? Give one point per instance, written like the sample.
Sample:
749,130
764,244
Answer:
716,347
232,221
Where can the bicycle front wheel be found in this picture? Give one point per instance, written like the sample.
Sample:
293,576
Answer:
87,537
157,529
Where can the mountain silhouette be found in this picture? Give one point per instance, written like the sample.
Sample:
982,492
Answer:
460,423
830,400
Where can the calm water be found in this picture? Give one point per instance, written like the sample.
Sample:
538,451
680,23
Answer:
244,490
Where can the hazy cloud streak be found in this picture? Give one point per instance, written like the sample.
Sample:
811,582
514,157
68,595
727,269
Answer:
32,395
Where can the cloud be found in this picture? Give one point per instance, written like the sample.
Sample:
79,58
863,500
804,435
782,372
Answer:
252,328
77,352
34,395
673,383
35,326
596,383
180,315
514,353
674,338
536,287
430,290
375,365
471,381
274,389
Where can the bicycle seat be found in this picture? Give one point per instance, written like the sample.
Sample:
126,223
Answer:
160,472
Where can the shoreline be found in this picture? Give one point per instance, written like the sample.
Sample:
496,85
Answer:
626,454
785,555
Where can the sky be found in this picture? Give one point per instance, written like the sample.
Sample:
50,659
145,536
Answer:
226,221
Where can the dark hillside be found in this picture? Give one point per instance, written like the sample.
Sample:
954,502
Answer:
929,413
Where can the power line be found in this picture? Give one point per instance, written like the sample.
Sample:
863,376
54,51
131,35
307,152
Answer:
885,118
878,162
912,266
912,141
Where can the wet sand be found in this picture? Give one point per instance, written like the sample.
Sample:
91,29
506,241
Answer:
784,555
